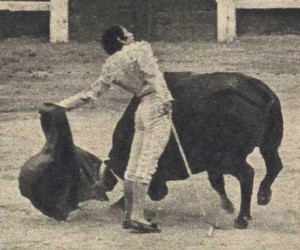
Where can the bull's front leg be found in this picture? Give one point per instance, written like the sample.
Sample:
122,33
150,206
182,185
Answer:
217,182
245,175
158,188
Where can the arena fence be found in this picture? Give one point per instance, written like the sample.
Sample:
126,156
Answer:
226,13
59,12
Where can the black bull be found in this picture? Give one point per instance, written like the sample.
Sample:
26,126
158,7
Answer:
220,119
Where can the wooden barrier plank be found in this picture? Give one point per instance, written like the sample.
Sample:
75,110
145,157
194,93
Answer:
24,6
59,15
59,21
226,20
267,4
226,13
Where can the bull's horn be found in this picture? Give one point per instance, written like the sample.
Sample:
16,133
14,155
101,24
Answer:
99,185
102,171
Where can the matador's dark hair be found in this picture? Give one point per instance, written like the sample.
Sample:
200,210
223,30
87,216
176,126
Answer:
110,42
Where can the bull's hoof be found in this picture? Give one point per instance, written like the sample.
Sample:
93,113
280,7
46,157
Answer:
264,197
150,215
227,205
241,222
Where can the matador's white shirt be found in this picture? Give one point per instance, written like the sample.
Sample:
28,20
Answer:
134,68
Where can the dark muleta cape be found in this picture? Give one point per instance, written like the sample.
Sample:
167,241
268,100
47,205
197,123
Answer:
61,175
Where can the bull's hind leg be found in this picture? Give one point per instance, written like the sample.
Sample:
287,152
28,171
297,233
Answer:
218,184
245,175
274,166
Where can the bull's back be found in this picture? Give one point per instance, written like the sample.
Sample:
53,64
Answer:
220,113
206,87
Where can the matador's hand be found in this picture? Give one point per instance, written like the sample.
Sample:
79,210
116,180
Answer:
167,107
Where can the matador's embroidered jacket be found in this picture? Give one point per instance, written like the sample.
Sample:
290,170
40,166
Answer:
134,68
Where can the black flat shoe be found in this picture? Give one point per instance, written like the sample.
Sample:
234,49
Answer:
139,227
127,223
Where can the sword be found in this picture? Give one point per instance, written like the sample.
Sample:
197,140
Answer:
189,171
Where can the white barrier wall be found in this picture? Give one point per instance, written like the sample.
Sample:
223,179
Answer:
59,21
59,15
226,13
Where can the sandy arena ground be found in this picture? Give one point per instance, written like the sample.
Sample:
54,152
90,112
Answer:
33,71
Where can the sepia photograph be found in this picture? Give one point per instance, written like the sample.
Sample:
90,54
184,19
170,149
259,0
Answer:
149,124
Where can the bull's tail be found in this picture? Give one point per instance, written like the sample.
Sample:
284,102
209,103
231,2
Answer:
269,150
274,130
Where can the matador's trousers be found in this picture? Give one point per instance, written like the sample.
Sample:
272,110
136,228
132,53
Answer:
152,132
